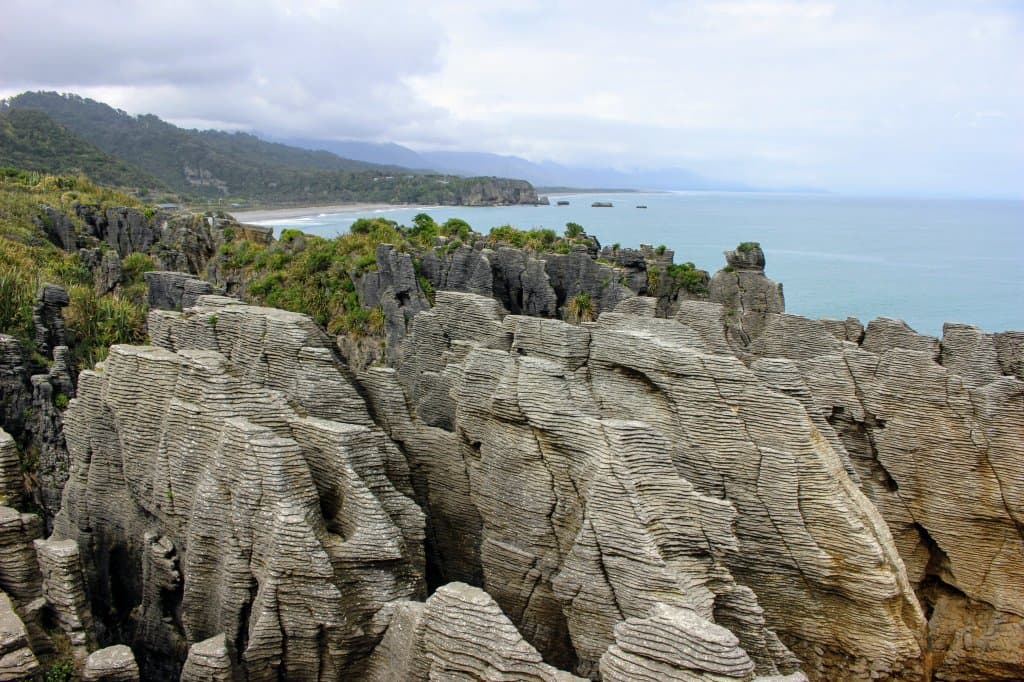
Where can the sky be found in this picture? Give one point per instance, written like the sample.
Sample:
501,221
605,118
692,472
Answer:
917,98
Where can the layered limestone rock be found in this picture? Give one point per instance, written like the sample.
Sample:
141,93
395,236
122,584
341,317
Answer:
10,471
112,664
19,573
936,434
48,318
747,295
17,662
459,633
174,290
520,280
585,485
44,429
677,644
60,566
15,389
209,661
230,480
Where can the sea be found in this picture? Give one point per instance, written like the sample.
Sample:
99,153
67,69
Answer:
926,261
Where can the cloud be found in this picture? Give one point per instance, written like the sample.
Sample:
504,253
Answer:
867,96
281,66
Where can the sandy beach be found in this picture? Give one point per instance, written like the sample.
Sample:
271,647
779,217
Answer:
269,214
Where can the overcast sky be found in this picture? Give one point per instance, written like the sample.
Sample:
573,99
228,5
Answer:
869,97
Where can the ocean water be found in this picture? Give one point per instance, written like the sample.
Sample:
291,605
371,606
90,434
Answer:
925,261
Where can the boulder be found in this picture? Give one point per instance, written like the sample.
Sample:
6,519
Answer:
112,664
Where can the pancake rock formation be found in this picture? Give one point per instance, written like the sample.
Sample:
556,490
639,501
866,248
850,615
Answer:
228,481
692,487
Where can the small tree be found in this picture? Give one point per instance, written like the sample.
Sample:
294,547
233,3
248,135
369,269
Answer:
424,228
573,230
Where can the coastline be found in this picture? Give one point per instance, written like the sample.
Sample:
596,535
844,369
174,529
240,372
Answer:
269,214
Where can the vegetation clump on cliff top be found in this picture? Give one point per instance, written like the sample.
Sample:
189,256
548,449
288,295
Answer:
28,260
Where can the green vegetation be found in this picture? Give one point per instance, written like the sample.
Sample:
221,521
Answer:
33,141
61,400
661,249
653,281
315,276
540,239
97,322
28,259
746,247
580,309
212,165
60,671
687,276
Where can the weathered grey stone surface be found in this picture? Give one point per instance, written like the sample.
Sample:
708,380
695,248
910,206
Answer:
1010,351
729,493
19,574
112,664
674,644
17,662
192,289
939,450
10,471
231,481
107,274
15,390
886,333
458,634
48,318
60,566
747,295
44,429
606,481
209,661
166,290
395,288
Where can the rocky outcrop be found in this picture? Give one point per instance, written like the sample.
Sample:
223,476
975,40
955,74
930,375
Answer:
731,492
17,662
459,633
15,390
676,644
393,287
112,664
496,192
10,471
747,295
19,573
60,566
175,290
586,485
48,318
44,429
229,480
209,661
934,432
521,280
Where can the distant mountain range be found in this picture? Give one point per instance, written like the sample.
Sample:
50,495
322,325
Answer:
60,133
53,132
546,174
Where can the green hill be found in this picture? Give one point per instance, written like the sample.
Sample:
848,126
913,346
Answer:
212,164
31,140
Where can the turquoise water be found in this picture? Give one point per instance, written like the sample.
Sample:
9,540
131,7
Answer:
925,261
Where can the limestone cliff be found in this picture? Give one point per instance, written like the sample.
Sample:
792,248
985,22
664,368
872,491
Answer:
229,480
693,486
